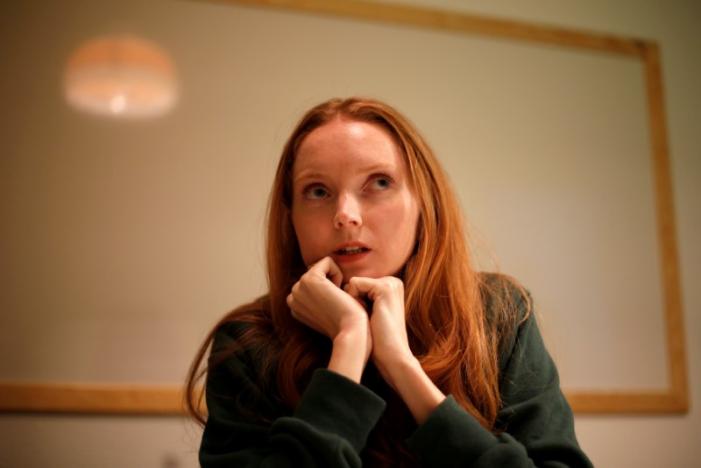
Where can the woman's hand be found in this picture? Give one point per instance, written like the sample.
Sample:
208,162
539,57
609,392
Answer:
387,320
318,301
390,349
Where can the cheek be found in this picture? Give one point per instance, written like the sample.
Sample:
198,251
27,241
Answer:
308,231
411,225
408,234
399,226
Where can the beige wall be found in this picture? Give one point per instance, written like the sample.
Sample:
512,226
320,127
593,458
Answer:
645,441
637,441
207,279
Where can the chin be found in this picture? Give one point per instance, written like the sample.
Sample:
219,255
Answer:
350,272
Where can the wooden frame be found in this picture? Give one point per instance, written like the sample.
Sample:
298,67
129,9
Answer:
133,399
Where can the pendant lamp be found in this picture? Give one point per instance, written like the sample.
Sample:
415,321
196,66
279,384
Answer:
121,76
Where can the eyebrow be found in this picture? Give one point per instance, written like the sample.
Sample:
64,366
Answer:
308,175
370,169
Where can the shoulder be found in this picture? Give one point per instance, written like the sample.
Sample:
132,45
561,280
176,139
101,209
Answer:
243,347
247,319
243,339
504,298
507,306
243,357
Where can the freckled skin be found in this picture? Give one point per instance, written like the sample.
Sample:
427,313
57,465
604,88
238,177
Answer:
350,183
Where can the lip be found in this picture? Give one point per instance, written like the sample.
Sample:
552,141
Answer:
349,258
350,244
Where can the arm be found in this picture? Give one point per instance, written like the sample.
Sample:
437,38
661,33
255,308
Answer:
317,301
390,345
537,422
345,358
329,427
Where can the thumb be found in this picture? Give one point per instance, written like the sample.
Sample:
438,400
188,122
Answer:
359,286
327,268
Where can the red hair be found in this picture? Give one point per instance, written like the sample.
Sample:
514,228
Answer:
457,345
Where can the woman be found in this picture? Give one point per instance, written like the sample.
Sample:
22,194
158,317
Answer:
377,344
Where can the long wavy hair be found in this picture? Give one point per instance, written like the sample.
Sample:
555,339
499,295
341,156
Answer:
456,344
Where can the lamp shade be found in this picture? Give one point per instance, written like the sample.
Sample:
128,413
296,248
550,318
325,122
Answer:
121,76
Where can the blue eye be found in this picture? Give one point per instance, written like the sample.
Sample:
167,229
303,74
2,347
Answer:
381,183
315,192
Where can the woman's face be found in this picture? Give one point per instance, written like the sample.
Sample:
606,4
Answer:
352,200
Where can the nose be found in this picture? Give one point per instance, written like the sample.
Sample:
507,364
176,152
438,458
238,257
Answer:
347,212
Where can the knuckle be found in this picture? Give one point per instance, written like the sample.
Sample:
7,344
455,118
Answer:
303,283
395,284
309,276
321,264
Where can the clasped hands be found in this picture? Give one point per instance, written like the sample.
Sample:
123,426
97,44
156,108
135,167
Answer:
319,301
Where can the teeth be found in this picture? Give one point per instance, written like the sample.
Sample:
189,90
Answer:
351,250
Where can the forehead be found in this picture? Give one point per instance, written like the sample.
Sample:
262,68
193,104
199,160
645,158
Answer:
346,145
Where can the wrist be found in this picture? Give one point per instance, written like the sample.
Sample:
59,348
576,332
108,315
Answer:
351,337
348,354
353,324
413,385
398,366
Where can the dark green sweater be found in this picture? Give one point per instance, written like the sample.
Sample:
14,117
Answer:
249,427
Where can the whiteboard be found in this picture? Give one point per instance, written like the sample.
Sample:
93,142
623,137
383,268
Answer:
126,241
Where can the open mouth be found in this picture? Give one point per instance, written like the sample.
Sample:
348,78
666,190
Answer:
351,250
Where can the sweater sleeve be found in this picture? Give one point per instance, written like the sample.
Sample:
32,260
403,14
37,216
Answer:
329,427
537,422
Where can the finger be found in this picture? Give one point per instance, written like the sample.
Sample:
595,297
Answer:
362,286
290,304
295,304
328,268
351,289
355,294
335,274
296,310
